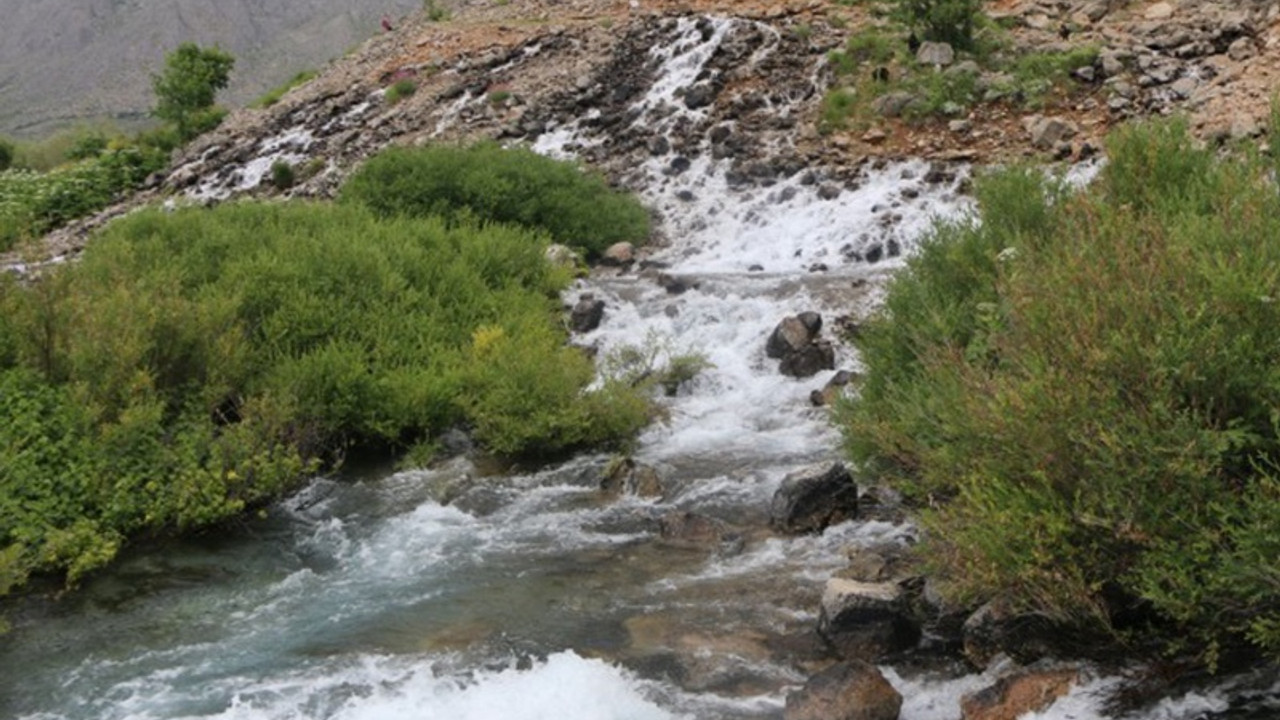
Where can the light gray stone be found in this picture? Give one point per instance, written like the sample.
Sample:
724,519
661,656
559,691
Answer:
935,53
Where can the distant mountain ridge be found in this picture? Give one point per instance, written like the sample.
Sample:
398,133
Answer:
68,61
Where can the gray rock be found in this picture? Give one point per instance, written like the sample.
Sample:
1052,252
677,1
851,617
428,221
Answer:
789,336
618,254
1112,64
629,477
813,498
866,621
1183,87
1159,11
1241,49
1047,132
845,691
935,53
586,314
892,104
699,96
967,67
693,531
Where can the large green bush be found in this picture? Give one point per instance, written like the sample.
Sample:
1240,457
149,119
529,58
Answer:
192,363
498,184
1084,388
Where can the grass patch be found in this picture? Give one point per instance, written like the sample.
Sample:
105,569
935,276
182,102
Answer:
1083,388
400,90
272,96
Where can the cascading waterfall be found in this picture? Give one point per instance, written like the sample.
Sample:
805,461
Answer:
443,594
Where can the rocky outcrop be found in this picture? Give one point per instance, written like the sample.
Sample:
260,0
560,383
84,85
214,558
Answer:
810,499
1018,694
846,691
866,621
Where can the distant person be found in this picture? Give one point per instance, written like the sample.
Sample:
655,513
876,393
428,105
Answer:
386,24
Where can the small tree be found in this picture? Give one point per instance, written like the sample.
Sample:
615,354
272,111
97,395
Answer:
185,90
948,21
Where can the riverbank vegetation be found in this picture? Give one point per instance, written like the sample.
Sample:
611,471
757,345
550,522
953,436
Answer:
1082,391
195,363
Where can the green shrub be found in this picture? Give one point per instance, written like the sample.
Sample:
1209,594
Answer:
194,363
1083,387
272,96
282,175
435,11
6,154
949,21
490,183
400,90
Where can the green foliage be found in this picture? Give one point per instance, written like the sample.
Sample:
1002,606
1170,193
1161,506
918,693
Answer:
497,97
1084,387
400,90
435,11
33,203
282,175
272,96
492,183
837,106
948,21
7,151
194,363
185,91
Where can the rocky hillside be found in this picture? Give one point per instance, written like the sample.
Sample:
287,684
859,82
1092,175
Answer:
578,77
64,61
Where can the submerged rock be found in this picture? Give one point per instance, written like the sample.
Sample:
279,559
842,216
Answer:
810,499
866,621
694,531
631,478
1015,695
846,691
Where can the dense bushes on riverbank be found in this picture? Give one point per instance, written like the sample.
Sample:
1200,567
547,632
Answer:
193,363
505,185
1084,388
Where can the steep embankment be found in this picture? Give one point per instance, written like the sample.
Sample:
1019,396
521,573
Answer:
517,71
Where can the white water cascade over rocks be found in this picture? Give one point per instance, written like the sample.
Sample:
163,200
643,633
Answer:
462,594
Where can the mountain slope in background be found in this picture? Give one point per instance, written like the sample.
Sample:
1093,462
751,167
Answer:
67,61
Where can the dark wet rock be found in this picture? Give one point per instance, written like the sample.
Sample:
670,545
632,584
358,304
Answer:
866,621
694,531
618,254
1025,637
1019,694
828,191
810,360
829,392
812,321
674,285
686,196
678,165
845,691
790,336
659,145
586,314
700,96
755,268
813,498
628,477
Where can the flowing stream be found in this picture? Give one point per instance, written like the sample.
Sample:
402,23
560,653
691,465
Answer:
461,593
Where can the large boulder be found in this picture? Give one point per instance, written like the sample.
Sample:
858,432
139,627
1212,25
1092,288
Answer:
1016,695
810,499
866,621
846,691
